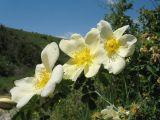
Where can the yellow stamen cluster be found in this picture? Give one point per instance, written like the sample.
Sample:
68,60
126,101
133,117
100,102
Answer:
82,57
134,108
111,45
43,78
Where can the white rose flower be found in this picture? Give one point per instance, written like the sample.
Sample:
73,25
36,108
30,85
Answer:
116,45
44,81
85,54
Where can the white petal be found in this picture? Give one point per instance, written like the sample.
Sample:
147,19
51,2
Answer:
39,69
115,64
127,40
99,55
119,32
6,99
72,71
91,70
105,29
56,78
92,39
24,100
48,90
50,55
70,46
126,51
127,47
21,95
28,81
76,36
57,74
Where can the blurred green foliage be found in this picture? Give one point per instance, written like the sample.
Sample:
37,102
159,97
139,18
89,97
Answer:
150,19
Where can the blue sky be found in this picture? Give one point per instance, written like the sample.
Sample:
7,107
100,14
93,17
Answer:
58,17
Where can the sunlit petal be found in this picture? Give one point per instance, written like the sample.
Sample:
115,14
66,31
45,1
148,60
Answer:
50,55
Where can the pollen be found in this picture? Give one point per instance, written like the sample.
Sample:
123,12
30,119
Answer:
82,57
111,45
42,79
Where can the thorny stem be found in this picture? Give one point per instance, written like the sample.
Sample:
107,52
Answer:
105,100
126,90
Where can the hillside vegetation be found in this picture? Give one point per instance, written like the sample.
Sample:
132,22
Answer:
19,53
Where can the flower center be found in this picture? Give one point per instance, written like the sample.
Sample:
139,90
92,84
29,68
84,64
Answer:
42,79
82,57
111,46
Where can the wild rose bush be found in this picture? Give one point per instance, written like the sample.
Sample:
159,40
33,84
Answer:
100,46
104,61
